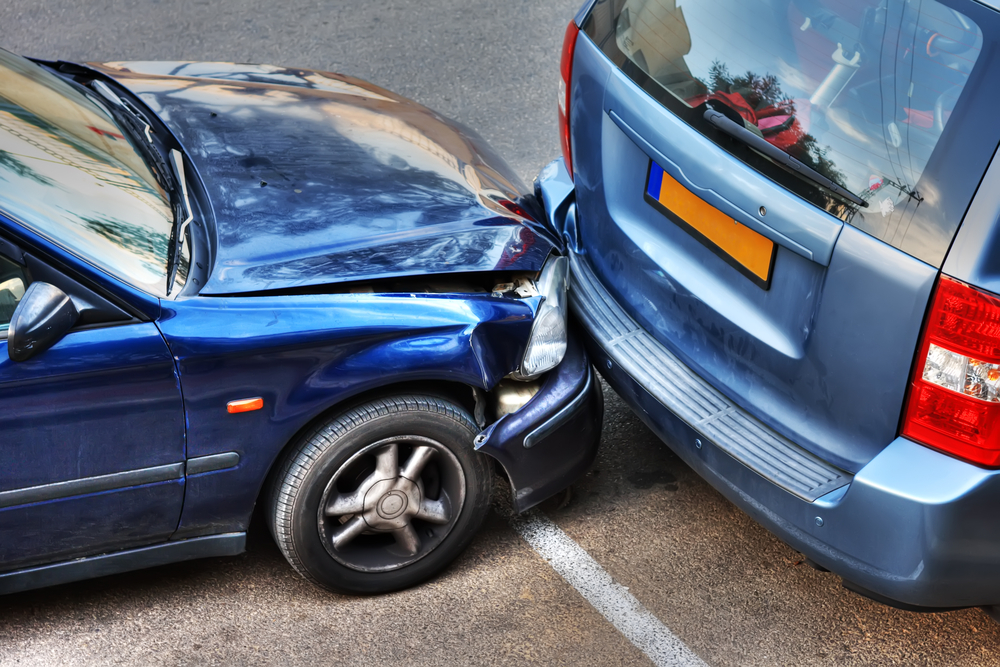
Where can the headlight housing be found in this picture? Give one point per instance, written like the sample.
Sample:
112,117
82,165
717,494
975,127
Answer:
547,343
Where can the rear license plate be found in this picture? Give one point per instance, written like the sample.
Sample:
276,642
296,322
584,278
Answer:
741,247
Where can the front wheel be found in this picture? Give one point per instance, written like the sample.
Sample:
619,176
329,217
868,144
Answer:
381,497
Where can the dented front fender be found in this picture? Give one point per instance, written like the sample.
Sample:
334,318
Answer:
552,440
306,354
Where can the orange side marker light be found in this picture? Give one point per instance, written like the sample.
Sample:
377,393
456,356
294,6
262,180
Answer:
245,405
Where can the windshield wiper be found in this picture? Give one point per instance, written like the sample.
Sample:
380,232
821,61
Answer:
132,120
170,177
112,97
180,224
737,131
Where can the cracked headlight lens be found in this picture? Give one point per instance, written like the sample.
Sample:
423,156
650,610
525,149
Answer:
547,344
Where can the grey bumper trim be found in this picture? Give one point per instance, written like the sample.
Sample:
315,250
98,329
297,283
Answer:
212,462
692,399
85,485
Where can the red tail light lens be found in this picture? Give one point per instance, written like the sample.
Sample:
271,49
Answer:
954,400
566,76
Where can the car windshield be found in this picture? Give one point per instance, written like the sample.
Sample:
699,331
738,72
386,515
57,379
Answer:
862,91
70,174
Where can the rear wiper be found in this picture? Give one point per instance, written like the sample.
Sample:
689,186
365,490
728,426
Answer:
135,122
737,131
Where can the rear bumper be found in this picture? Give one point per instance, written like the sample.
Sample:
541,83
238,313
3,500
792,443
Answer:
551,441
913,527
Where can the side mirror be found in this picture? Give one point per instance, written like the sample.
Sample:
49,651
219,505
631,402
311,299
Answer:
44,316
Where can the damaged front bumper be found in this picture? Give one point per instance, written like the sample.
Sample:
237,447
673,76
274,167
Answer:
550,442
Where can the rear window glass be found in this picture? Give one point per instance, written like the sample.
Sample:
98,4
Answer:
886,99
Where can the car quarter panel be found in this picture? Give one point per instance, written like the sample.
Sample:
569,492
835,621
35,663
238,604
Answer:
305,354
974,257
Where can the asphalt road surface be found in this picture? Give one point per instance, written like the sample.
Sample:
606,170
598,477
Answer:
717,582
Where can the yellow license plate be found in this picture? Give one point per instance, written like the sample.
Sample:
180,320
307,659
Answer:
741,247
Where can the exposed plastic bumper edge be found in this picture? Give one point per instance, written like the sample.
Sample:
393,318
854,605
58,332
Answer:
551,441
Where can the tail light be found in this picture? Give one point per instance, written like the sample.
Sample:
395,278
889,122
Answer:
954,400
566,76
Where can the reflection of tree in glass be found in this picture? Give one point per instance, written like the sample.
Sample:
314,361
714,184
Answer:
10,162
759,91
766,100
149,246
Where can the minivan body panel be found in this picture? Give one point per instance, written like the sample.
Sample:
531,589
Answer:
791,355
810,368
975,254
915,526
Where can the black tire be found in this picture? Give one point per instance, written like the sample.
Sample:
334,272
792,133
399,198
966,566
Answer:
336,485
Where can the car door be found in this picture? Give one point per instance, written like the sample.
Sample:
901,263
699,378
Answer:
91,430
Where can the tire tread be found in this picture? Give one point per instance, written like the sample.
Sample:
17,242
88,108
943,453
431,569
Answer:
298,461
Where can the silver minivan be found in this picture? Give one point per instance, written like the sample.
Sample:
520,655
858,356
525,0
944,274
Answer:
782,222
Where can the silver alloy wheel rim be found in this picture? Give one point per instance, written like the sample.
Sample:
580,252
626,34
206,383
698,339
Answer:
387,521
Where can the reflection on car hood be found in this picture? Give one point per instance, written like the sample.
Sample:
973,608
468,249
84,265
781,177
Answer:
318,178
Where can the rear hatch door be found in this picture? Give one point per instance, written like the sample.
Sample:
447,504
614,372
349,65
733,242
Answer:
801,303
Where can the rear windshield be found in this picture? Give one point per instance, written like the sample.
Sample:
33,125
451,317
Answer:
891,100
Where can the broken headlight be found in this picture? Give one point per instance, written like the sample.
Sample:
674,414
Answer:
547,343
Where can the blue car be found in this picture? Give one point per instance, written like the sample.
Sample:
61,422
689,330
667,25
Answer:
237,288
783,223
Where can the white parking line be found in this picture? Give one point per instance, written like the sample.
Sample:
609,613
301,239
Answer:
611,599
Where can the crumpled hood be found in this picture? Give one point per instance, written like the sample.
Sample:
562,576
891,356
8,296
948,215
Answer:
317,178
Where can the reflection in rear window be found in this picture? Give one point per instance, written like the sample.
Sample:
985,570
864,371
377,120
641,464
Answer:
861,91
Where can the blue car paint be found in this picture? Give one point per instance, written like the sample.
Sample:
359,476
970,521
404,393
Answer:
735,189
584,11
100,401
778,353
115,561
48,406
914,528
334,179
554,189
974,257
563,414
283,334
94,523
306,354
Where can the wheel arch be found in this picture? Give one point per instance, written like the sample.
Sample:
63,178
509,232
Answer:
458,392
364,347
